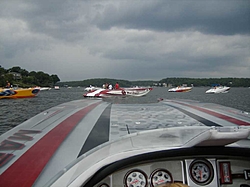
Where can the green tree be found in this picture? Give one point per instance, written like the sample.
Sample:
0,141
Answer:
28,78
24,72
16,69
2,76
55,79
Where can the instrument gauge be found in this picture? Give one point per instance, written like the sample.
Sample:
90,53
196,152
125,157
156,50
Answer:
103,185
135,178
201,172
160,176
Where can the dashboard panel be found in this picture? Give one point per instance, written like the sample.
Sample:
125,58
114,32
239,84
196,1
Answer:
194,172
196,167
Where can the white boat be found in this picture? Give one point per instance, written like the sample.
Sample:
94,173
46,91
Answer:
136,92
57,88
94,143
92,88
218,89
44,88
180,89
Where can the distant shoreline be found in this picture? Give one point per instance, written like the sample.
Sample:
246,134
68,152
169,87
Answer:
166,82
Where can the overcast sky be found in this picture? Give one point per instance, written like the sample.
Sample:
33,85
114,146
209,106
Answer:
131,40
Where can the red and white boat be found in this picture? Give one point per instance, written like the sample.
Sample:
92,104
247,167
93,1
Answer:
180,89
136,91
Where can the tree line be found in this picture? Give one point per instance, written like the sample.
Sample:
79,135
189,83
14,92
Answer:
40,78
197,82
23,78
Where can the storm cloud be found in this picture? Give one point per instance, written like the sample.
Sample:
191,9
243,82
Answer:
132,40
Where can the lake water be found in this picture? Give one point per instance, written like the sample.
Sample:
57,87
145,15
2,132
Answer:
15,111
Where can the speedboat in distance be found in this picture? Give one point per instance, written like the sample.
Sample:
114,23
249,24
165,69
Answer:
218,89
92,88
10,93
44,88
95,143
135,91
180,89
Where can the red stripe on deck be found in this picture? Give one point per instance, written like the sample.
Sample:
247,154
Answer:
222,116
28,167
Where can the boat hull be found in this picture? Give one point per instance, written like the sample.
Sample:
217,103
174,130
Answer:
45,88
19,93
180,89
216,90
136,92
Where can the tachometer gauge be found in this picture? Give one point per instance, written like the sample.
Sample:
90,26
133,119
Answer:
135,178
201,172
160,176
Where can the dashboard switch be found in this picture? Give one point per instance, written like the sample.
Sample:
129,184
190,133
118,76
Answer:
225,173
247,174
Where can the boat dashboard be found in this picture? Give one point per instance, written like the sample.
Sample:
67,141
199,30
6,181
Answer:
196,167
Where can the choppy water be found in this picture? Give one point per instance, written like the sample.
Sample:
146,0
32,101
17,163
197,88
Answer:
15,111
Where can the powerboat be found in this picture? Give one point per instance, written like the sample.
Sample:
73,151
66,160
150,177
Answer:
94,143
136,91
180,89
44,88
218,89
10,93
91,88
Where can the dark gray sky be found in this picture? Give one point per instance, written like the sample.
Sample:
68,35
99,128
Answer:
132,40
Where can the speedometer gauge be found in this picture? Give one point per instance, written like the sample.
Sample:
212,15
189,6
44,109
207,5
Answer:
201,172
135,178
160,176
